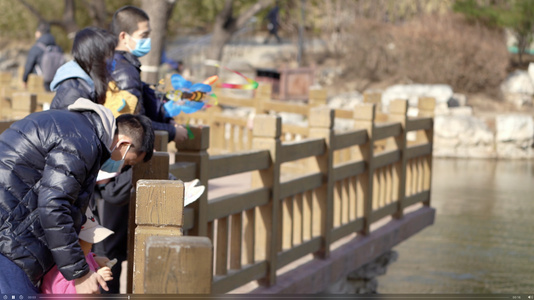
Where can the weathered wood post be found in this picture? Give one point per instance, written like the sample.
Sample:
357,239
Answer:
5,95
159,212
321,124
261,95
317,97
156,168
178,265
161,140
364,118
266,135
427,106
195,150
23,104
5,125
398,110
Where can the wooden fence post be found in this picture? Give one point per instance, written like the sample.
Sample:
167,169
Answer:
262,94
317,97
159,212
178,265
35,83
427,106
321,123
155,168
364,118
266,135
5,125
23,104
398,110
195,150
5,95
161,140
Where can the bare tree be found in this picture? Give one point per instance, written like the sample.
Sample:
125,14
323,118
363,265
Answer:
97,12
226,24
67,22
159,12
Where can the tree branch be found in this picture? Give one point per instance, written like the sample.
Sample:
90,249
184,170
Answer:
32,10
253,10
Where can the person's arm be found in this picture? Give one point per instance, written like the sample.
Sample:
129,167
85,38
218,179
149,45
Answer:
128,78
62,189
155,111
31,61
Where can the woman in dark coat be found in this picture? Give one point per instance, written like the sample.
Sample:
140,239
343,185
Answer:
87,75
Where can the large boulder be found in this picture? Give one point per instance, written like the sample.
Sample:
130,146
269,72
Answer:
518,88
441,92
462,136
514,136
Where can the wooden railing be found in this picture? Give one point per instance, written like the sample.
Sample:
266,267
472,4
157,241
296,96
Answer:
349,181
16,102
284,217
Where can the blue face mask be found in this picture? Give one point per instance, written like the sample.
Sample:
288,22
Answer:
114,166
142,47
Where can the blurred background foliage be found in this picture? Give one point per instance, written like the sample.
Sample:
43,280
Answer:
459,42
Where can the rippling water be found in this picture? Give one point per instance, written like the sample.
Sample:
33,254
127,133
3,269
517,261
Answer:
482,240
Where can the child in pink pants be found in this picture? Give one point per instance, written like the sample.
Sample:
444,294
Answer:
91,232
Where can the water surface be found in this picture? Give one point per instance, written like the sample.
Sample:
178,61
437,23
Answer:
482,240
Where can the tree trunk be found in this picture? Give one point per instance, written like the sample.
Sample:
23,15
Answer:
69,19
226,25
159,12
97,11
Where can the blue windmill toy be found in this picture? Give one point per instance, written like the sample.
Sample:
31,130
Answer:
188,97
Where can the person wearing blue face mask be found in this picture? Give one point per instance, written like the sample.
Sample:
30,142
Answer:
131,27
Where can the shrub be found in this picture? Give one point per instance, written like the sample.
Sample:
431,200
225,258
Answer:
428,49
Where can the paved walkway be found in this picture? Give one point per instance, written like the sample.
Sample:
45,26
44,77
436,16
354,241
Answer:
229,185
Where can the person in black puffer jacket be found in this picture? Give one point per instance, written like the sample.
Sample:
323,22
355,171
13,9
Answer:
87,75
49,162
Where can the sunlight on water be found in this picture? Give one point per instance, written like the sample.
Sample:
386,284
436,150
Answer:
482,240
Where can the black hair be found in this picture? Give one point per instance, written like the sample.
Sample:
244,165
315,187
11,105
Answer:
91,49
43,27
127,19
139,129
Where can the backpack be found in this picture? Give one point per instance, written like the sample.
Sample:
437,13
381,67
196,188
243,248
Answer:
51,60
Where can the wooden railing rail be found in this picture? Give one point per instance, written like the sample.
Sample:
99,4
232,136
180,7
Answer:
277,221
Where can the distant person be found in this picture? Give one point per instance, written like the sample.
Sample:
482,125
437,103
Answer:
87,75
49,163
34,62
168,65
274,23
185,72
91,232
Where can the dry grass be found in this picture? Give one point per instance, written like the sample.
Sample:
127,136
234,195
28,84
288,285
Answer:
428,49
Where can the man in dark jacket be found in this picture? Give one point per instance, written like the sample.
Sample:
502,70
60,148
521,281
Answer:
49,163
131,26
43,37
273,24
